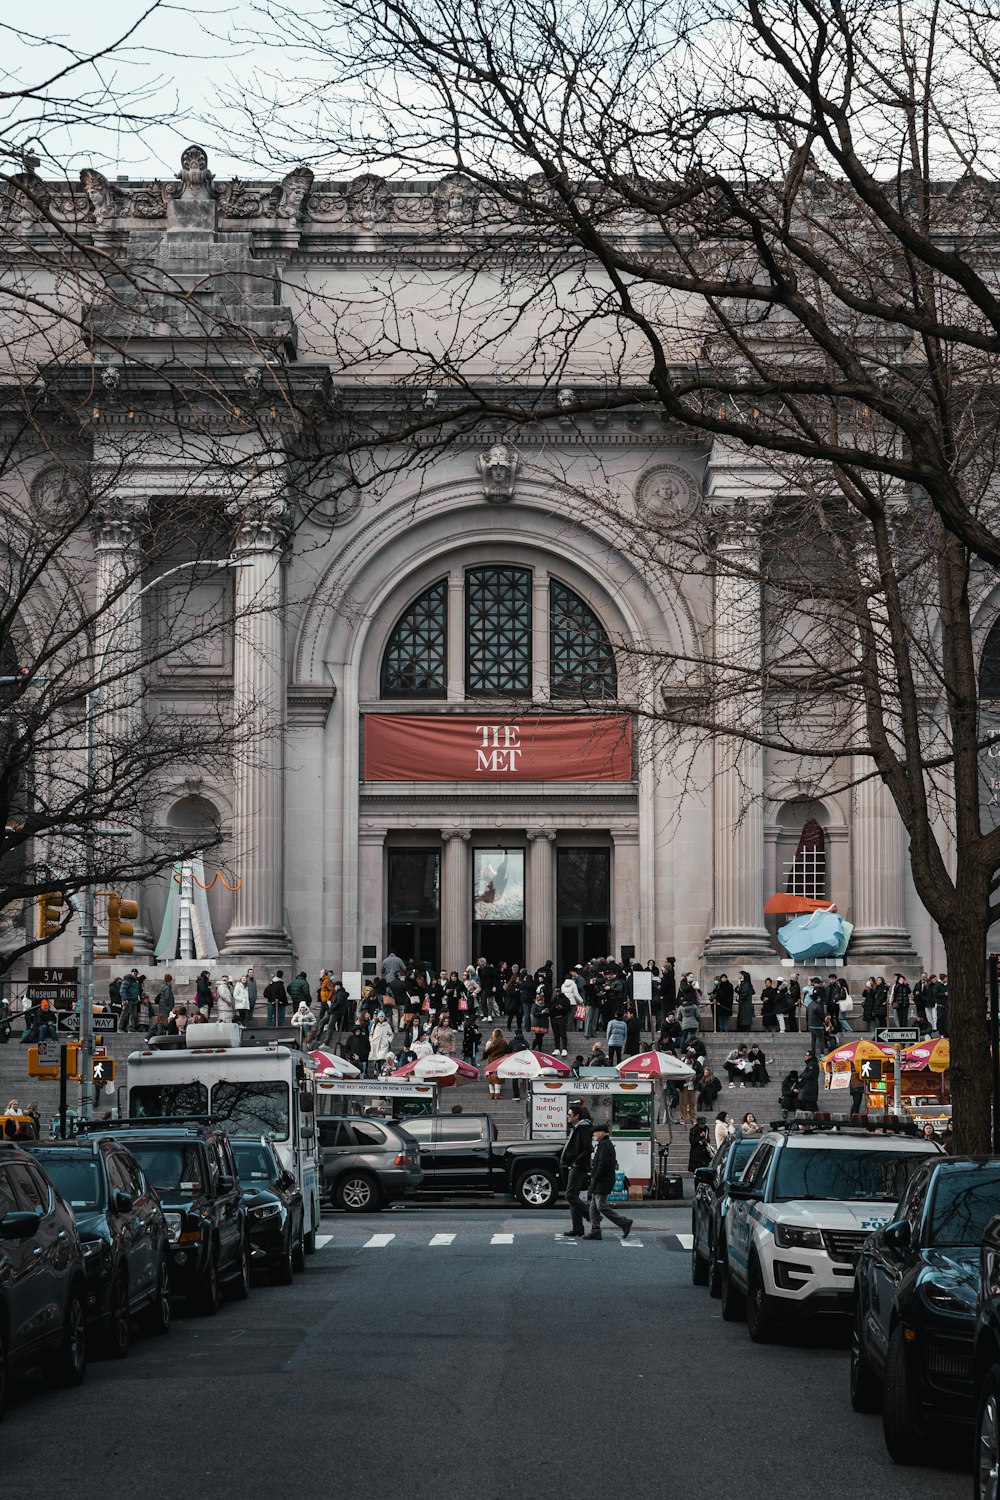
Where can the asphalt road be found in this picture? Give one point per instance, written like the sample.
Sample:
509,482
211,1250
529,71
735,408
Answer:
450,1352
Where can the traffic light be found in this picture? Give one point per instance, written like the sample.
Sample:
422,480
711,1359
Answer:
50,913
121,915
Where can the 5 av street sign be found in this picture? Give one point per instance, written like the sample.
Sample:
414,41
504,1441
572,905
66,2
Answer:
902,1034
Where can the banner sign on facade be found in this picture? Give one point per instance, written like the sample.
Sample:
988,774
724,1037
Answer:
451,747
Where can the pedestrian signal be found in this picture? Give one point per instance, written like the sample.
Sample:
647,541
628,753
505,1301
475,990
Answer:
104,1070
121,915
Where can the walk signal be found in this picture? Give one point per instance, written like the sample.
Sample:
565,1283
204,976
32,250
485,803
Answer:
50,916
121,915
104,1067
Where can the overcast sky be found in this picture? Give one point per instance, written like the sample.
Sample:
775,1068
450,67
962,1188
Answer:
179,60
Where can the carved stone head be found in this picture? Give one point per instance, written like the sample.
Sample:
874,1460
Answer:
498,472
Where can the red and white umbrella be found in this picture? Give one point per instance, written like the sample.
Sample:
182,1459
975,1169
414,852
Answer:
526,1065
655,1065
329,1065
438,1068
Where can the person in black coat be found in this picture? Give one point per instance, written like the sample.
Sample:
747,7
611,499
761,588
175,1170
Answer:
744,1002
723,1003
602,1181
700,1154
808,1094
576,1159
756,1057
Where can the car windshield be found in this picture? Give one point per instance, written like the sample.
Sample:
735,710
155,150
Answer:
252,1108
77,1178
966,1198
869,1176
174,1168
254,1164
739,1154
157,1101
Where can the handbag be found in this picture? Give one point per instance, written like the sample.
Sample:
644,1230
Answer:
580,1012
847,1006
463,1004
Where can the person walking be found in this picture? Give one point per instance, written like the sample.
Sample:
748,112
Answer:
165,995
471,1037
603,1168
539,1020
380,1038
277,998
251,985
203,996
816,1015
808,1090
393,966
443,1038
130,993
899,999
559,1012
576,1156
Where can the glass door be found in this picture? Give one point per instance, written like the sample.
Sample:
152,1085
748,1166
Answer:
583,905
415,904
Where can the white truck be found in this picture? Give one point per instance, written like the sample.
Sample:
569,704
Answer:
266,1089
797,1217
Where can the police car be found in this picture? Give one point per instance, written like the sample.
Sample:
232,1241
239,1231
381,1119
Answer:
809,1195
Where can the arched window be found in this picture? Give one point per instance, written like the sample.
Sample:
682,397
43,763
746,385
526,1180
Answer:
415,664
989,666
581,661
498,632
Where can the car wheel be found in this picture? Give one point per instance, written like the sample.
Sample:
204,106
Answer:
761,1322
68,1365
156,1317
3,1370
733,1301
900,1423
357,1193
866,1388
208,1294
299,1248
282,1267
535,1189
699,1266
986,1475
715,1259
239,1284
118,1334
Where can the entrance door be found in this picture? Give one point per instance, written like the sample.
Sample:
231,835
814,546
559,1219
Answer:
583,905
414,904
496,940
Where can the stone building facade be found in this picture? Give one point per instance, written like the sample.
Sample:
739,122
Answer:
451,607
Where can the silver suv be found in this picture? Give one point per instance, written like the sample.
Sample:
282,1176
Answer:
366,1163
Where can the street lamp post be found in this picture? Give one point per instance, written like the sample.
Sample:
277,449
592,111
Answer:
88,926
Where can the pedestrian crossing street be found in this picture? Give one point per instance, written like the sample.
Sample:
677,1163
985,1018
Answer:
349,1239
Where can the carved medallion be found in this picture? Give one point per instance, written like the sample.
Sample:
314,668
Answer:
667,494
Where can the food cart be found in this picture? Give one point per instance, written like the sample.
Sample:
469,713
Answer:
925,1081
628,1105
392,1098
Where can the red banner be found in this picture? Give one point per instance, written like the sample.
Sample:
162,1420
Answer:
445,747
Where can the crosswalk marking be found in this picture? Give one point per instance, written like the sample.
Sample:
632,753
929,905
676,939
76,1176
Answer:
378,1241
687,1240
502,1239
631,1244
323,1239
669,1240
442,1239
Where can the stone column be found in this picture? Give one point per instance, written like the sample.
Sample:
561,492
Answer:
626,894
456,900
738,930
118,555
456,636
258,929
371,897
540,898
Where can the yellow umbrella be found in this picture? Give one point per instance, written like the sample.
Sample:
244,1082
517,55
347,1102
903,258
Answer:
853,1053
934,1053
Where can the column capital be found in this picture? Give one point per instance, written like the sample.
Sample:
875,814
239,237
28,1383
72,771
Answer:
115,526
450,835
536,834
261,525
736,524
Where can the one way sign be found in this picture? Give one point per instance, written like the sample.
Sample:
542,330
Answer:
872,1068
902,1034
104,1070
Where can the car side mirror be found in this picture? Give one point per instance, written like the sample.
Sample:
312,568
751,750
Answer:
743,1192
226,1183
122,1201
897,1237
18,1225
704,1175
307,1129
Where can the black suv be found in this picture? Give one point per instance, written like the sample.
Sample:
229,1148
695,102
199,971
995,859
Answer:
192,1170
43,1295
917,1288
709,1209
275,1212
365,1163
123,1235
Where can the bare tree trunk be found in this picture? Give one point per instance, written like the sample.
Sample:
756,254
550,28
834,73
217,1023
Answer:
968,1029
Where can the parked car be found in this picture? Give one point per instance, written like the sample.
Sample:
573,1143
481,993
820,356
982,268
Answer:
43,1290
366,1163
192,1170
917,1291
986,1369
275,1210
460,1154
799,1215
123,1234
710,1207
